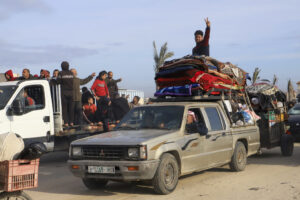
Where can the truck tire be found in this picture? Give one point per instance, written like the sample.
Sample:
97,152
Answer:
94,184
287,145
239,157
166,176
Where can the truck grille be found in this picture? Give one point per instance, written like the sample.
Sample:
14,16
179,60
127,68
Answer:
104,153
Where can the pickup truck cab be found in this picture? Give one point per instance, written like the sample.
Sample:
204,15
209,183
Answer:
153,143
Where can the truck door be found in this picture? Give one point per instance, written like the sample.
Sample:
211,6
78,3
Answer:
218,145
193,150
34,119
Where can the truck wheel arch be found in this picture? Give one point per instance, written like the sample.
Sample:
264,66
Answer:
244,141
176,155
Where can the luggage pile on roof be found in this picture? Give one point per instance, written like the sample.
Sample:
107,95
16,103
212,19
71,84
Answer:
196,75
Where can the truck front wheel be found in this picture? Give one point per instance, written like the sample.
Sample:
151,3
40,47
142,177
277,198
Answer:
166,177
239,157
94,184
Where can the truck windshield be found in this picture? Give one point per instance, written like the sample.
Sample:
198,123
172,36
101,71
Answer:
5,94
153,117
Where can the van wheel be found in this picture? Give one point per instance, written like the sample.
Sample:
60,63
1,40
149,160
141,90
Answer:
166,176
287,145
239,157
94,184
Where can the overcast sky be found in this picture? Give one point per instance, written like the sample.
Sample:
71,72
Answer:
95,35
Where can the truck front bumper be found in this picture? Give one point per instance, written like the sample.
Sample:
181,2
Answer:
144,170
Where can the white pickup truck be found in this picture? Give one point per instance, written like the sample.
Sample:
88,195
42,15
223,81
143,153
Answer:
32,109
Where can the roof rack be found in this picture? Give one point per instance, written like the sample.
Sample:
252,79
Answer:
199,97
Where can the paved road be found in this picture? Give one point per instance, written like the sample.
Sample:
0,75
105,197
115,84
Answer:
269,176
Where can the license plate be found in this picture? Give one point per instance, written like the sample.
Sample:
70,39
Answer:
101,170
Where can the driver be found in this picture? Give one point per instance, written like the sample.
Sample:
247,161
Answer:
194,126
148,121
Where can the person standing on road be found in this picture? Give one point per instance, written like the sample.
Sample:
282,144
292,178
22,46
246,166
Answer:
202,43
112,85
65,79
77,82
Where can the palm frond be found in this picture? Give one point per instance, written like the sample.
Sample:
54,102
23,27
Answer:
255,75
160,58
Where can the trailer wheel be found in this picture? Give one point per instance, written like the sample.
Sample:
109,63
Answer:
239,157
94,184
287,145
166,177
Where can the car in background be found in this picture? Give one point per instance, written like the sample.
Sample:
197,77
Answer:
294,121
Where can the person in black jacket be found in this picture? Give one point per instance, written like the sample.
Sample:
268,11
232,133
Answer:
86,94
65,79
26,75
112,85
202,43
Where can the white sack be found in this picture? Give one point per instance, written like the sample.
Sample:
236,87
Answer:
10,146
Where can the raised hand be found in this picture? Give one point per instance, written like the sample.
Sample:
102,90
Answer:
207,22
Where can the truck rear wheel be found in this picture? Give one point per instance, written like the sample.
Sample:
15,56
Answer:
166,177
94,184
239,157
287,145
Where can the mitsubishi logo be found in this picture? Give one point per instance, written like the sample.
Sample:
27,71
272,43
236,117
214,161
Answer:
102,154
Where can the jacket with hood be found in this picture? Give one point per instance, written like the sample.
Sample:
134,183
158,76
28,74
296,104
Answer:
11,75
65,78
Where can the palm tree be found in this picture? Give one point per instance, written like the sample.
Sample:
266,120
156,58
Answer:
291,91
162,57
275,79
255,75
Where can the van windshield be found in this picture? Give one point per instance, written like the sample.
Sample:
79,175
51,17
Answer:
5,94
152,117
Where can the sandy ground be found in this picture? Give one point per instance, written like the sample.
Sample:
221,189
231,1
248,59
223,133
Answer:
268,176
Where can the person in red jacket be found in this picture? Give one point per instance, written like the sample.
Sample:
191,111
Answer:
101,93
89,110
9,75
99,87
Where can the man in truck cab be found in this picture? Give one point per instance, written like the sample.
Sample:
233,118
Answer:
202,43
28,100
193,125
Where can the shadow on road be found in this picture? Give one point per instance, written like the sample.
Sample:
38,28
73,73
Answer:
274,157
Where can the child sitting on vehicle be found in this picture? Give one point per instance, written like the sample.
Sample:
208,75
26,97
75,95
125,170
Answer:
89,111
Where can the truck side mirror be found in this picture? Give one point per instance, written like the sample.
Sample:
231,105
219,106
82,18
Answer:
17,107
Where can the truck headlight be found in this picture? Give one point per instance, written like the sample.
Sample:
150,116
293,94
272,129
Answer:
133,152
76,151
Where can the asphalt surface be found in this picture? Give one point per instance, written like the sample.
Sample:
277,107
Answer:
268,176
